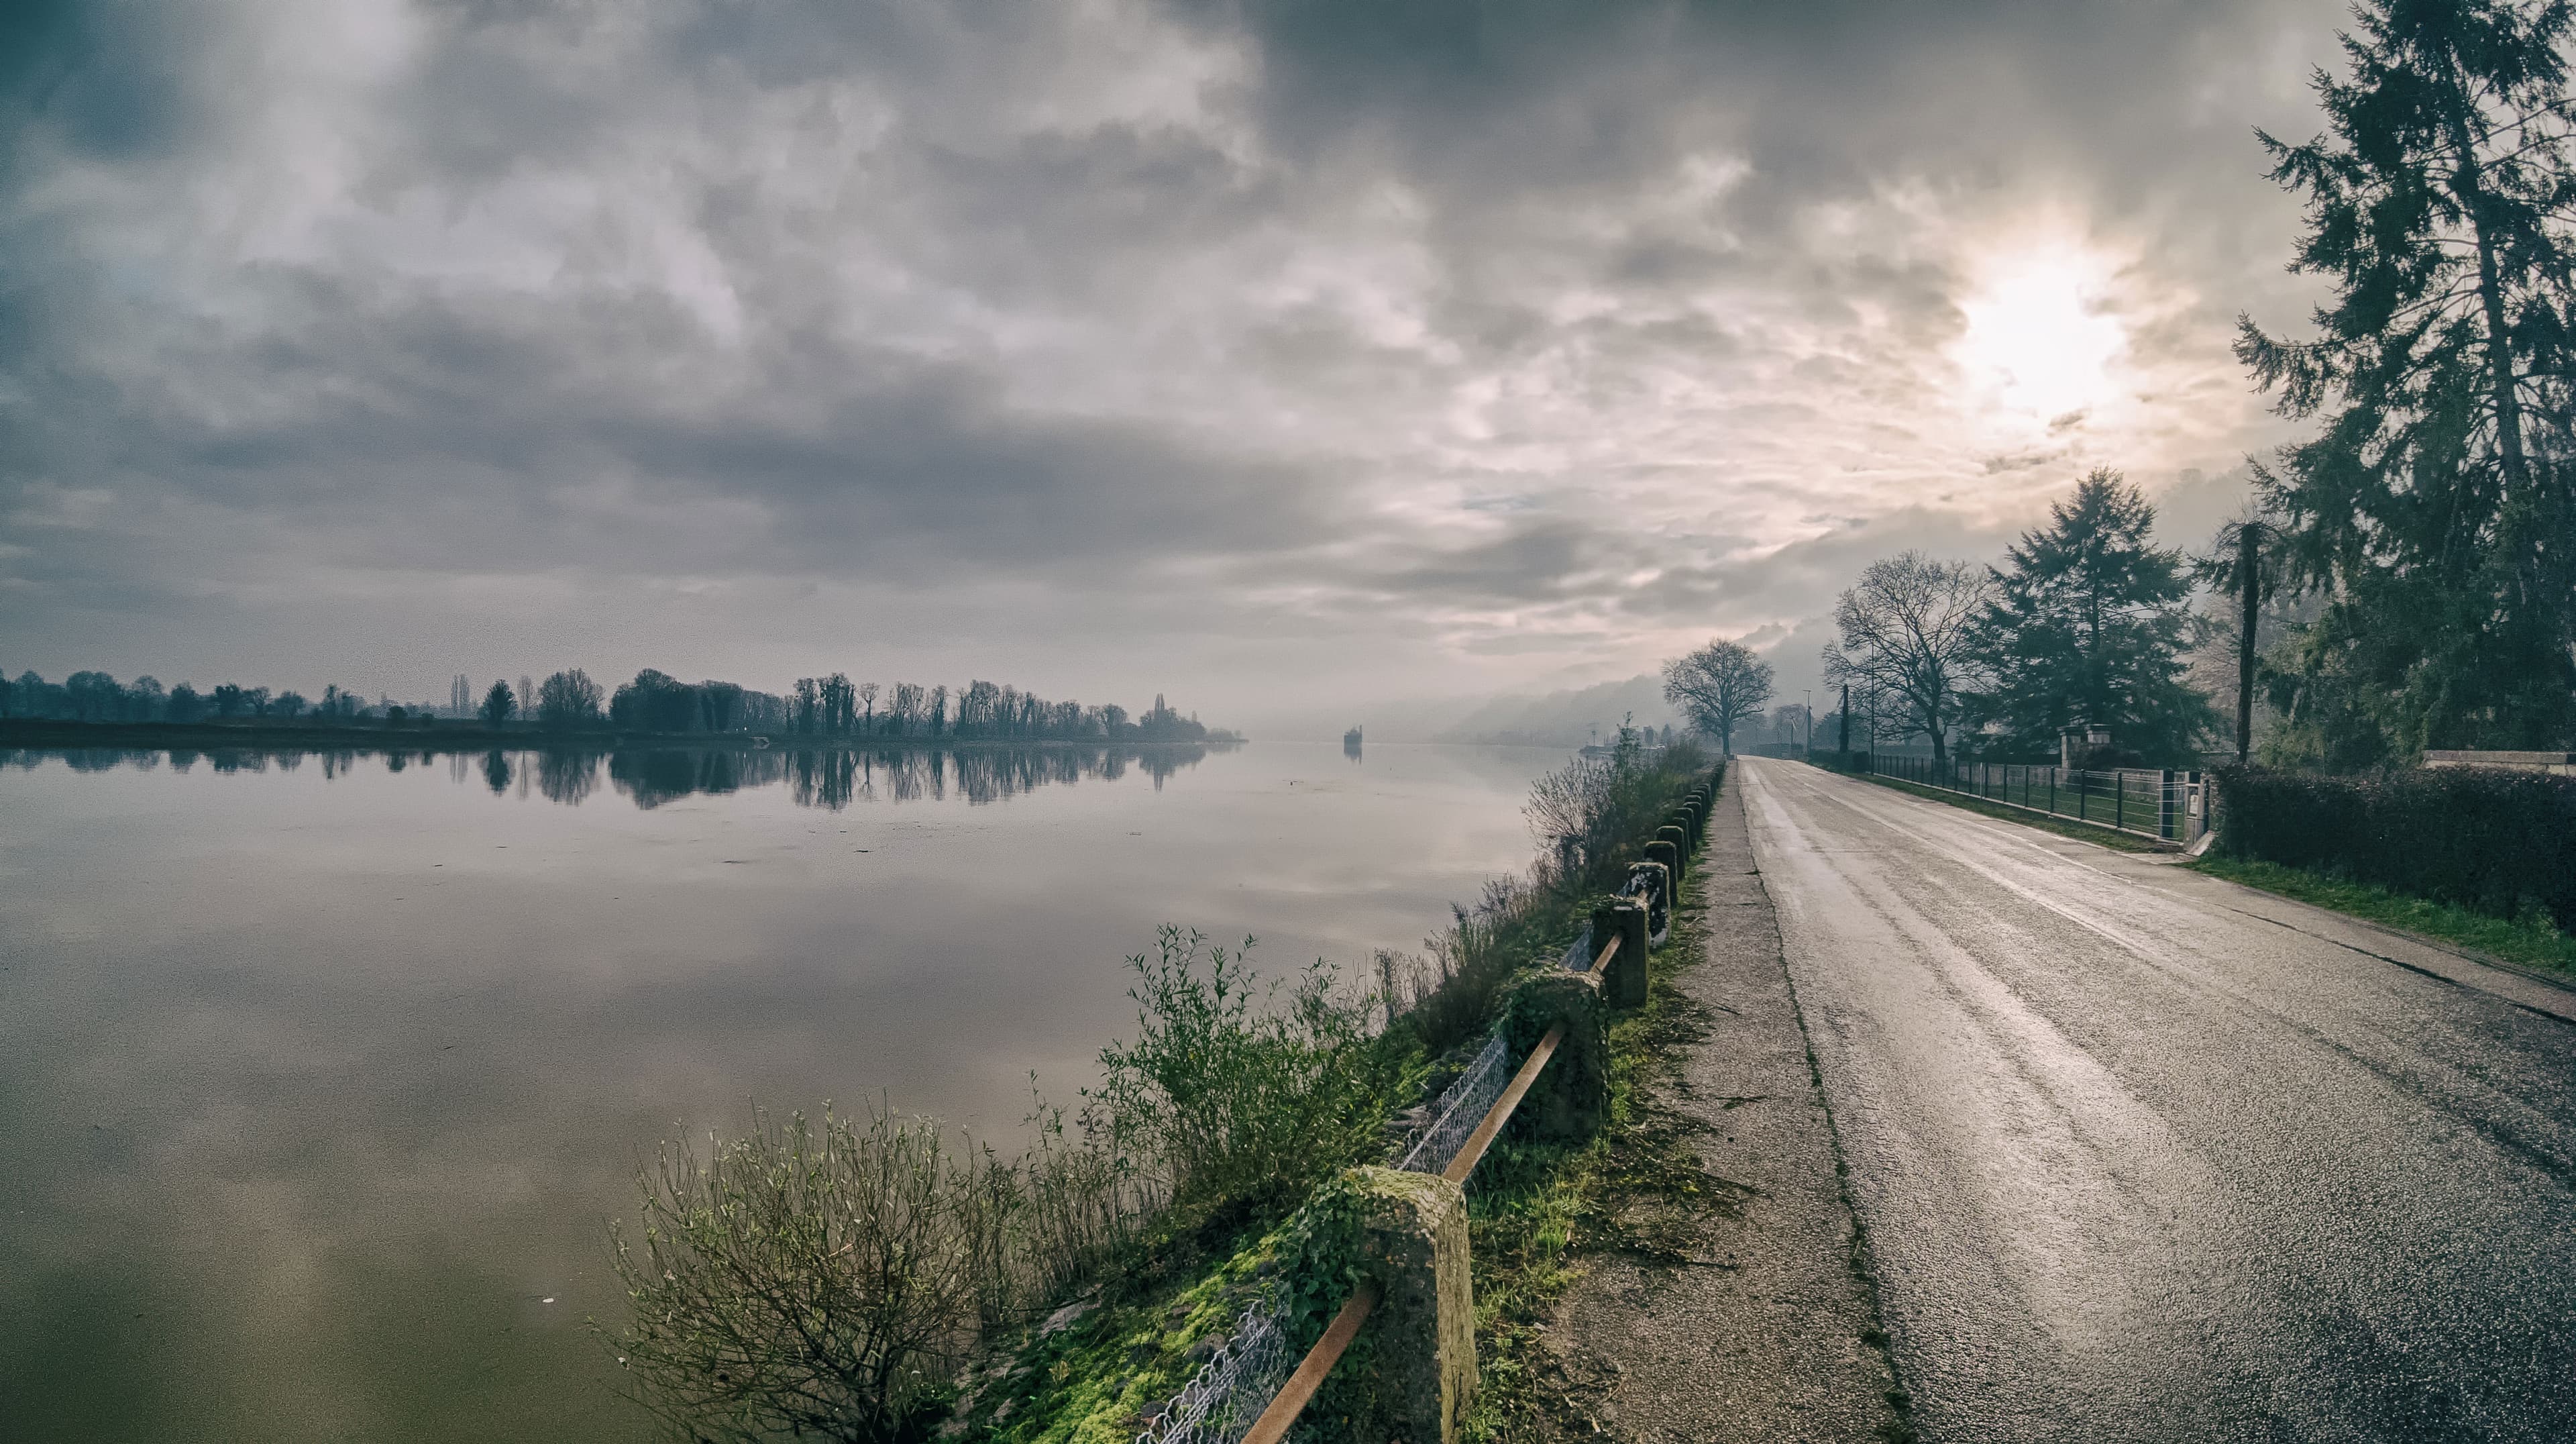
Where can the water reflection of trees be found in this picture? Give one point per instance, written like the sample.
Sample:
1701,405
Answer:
826,777
835,777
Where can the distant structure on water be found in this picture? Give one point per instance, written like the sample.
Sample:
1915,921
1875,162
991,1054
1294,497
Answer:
1351,743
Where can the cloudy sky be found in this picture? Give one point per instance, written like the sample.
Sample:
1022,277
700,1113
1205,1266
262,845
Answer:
1289,357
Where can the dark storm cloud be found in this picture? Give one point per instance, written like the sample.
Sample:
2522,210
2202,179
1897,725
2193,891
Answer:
1411,334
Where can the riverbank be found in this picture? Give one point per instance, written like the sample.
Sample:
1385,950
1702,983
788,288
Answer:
1108,1363
500,1001
442,735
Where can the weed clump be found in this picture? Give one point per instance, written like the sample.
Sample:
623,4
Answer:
803,1278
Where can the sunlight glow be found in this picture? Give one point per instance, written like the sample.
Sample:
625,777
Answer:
2038,339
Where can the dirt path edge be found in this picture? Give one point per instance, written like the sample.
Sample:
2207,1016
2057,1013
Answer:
1757,1319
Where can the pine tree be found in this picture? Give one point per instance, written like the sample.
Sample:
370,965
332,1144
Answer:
2089,625
2434,510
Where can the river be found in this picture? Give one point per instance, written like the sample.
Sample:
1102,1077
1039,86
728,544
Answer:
320,1074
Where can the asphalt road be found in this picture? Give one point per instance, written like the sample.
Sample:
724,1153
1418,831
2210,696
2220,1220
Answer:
2144,1155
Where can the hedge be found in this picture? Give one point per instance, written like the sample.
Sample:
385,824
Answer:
2493,842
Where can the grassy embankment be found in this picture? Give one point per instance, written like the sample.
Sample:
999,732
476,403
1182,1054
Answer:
2530,942
832,1279
1533,1207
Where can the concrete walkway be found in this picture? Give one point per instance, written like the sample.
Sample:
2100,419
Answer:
1754,1323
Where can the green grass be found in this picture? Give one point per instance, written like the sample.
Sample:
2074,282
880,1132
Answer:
2063,827
2532,942
1636,1189
1088,1382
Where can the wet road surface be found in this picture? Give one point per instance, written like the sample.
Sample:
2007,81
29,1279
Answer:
2145,1155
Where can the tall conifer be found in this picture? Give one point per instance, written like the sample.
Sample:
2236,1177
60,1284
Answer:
2087,625
2434,509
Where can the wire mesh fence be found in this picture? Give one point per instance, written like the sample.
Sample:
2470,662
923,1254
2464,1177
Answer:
1230,1390
1578,954
1462,1106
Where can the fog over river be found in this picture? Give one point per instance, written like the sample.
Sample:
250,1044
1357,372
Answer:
318,1081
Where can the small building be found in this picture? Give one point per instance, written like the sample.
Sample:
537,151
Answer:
2078,741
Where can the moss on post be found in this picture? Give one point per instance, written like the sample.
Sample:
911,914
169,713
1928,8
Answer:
1680,842
1691,817
1571,1098
1412,1244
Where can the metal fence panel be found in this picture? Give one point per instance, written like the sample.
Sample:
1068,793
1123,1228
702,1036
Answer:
2173,806
1230,1390
1221,1401
1462,1106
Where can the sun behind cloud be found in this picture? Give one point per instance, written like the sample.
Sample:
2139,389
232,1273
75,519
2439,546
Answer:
2040,343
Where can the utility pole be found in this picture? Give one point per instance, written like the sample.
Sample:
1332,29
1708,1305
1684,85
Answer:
2250,582
1807,709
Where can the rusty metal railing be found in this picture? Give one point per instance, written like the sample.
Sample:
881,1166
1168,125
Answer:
1275,1421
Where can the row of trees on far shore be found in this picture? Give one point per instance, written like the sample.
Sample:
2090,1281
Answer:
570,701
98,697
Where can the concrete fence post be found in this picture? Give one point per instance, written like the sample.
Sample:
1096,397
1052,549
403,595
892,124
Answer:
1413,1246
1571,1098
1659,892
1624,981
1669,857
1680,841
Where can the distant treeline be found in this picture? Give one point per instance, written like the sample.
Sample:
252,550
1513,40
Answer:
98,697
656,702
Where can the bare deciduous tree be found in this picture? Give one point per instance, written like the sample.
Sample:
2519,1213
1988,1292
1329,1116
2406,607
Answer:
568,699
1907,630
800,1280
1717,687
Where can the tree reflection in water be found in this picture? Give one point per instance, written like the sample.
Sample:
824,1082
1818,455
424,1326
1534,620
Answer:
829,777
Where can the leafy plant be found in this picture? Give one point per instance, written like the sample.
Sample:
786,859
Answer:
1227,1098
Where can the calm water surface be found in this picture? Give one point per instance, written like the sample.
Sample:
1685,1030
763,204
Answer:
317,1081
